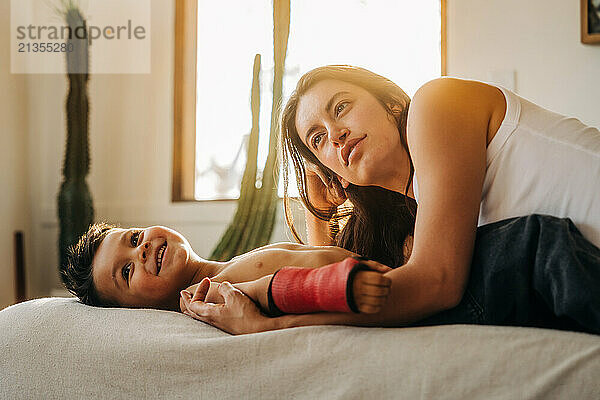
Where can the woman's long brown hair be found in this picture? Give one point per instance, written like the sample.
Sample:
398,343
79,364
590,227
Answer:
379,220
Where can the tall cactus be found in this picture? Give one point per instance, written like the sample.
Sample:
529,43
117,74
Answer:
254,219
229,244
75,208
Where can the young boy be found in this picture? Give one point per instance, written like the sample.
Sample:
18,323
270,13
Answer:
148,268
534,270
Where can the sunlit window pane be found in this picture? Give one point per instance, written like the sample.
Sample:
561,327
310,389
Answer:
397,39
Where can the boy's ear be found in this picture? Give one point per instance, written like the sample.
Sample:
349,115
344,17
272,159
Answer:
343,182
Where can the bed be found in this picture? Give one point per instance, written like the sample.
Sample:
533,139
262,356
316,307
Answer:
57,348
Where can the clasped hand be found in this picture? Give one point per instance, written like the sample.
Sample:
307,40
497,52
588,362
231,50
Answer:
238,314
238,310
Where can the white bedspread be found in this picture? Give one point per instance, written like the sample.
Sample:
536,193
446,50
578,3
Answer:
57,348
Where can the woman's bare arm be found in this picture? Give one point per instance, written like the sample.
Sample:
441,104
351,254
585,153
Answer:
447,132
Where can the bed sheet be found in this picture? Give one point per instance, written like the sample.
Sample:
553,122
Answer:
60,348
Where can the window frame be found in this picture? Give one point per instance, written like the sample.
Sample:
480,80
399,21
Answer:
184,101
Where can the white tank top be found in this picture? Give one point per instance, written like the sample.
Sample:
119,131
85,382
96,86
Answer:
541,162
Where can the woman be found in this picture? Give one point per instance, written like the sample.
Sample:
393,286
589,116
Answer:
470,153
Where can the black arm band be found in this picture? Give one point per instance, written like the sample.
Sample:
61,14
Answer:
349,286
273,311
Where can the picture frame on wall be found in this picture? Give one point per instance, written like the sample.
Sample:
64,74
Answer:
590,21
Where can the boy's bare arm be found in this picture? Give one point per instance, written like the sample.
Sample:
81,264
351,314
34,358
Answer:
256,290
369,298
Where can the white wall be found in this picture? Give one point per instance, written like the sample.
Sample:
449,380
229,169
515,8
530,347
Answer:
13,160
539,39
132,122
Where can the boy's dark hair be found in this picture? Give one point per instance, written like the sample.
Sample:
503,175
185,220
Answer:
76,274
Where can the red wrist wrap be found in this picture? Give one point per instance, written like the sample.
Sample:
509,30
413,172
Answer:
304,290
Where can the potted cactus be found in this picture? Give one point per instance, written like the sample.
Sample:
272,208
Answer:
75,208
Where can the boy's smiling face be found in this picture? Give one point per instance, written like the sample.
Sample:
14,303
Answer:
142,267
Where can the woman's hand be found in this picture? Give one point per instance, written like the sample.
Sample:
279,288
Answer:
322,193
238,315
325,196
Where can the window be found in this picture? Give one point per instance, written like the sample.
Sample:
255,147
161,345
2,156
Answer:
402,40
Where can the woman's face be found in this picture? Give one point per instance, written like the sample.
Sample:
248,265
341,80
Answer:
349,131
142,267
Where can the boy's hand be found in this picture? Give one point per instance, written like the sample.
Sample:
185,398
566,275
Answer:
212,294
371,289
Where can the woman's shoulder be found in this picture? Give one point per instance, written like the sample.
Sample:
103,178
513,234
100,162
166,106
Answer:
458,101
457,88
454,80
